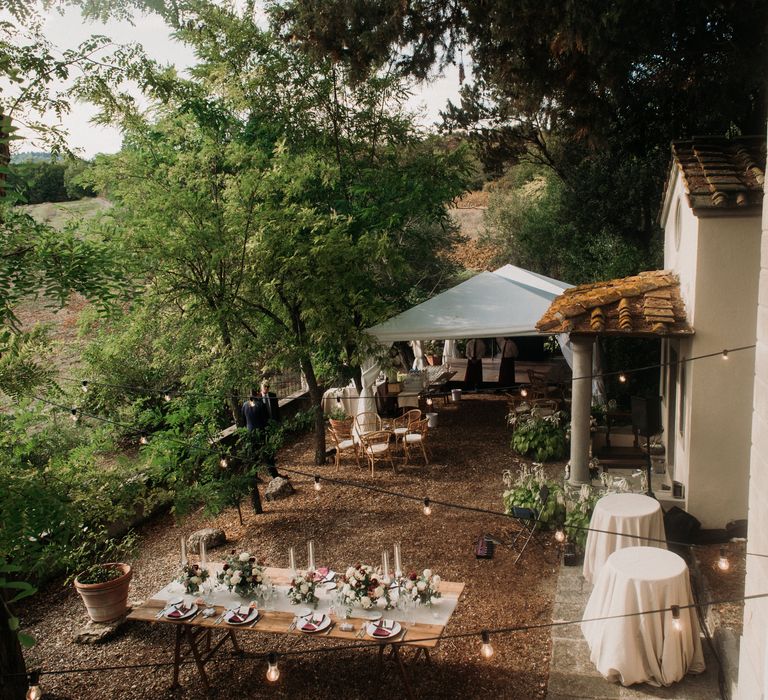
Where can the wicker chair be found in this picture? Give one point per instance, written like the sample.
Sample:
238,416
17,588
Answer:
402,425
376,445
417,436
345,442
367,422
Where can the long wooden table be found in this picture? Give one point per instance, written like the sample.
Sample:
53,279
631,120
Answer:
195,636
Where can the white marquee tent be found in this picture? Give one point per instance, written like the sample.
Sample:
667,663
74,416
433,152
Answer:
506,302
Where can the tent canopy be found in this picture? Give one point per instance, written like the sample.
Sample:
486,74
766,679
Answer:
506,302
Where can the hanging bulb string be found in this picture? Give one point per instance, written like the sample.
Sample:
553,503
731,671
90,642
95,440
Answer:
378,489
512,387
497,631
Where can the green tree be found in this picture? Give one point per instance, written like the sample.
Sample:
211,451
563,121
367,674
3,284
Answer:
284,207
594,91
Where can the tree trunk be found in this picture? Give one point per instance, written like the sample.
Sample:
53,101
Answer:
316,404
13,678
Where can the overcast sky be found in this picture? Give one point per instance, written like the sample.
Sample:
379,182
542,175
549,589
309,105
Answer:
68,30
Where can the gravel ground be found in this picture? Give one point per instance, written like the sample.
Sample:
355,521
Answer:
469,452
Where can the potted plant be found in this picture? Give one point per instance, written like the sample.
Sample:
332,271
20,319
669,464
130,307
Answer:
339,420
104,590
433,352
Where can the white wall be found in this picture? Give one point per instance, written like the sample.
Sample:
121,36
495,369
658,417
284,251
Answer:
717,261
753,657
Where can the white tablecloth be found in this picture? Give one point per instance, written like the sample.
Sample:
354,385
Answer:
633,517
436,614
347,400
643,648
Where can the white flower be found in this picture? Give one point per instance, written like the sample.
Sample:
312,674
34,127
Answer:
195,580
259,578
408,585
436,580
359,575
427,573
244,556
365,601
350,572
236,578
304,588
420,585
378,591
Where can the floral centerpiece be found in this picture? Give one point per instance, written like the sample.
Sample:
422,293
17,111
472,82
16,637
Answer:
192,577
302,588
420,588
243,573
362,585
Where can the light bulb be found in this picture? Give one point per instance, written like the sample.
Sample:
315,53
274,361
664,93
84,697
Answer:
34,692
560,535
722,563
486,649
523,392
725,354
429,402
223,462
676,621
318,485
623,378
427,507
74,415
84,386
273,672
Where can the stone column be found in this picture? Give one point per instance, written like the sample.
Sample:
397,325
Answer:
581,406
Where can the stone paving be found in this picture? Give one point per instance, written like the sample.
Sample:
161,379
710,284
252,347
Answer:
572,674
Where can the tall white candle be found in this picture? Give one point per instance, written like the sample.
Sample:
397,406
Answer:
291,559
203,556
311,555
183,550
385,565
398,562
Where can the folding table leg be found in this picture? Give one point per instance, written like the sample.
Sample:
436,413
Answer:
403,673
198,659
177,657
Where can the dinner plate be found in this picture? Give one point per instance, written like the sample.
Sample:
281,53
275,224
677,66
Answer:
324,624
188,612
253,613
371,627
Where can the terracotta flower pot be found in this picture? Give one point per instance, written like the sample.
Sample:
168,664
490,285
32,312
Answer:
106,601
341,425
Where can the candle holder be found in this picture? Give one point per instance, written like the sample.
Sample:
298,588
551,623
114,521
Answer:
183,551
398,562
292,560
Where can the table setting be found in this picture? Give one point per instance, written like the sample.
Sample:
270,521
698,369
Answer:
243,594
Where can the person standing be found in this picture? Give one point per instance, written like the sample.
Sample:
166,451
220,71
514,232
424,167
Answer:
509,352
258,411
474,351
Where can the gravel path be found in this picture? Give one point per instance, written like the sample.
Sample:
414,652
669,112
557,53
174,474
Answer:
470,450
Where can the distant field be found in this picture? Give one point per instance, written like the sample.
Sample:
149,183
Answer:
57,214
67,345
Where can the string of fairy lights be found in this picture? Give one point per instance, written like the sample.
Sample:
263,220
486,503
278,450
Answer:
560,536
168,394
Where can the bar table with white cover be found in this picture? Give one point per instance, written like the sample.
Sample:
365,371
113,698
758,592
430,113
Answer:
643,648
626,520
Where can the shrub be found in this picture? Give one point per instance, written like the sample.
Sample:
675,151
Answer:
540,437
523,492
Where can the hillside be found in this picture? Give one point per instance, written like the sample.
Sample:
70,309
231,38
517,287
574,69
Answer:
57,214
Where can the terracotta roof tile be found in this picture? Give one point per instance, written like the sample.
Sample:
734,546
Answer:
720,173
644,304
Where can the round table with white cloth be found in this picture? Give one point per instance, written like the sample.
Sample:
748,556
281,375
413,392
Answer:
643,648
626,520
